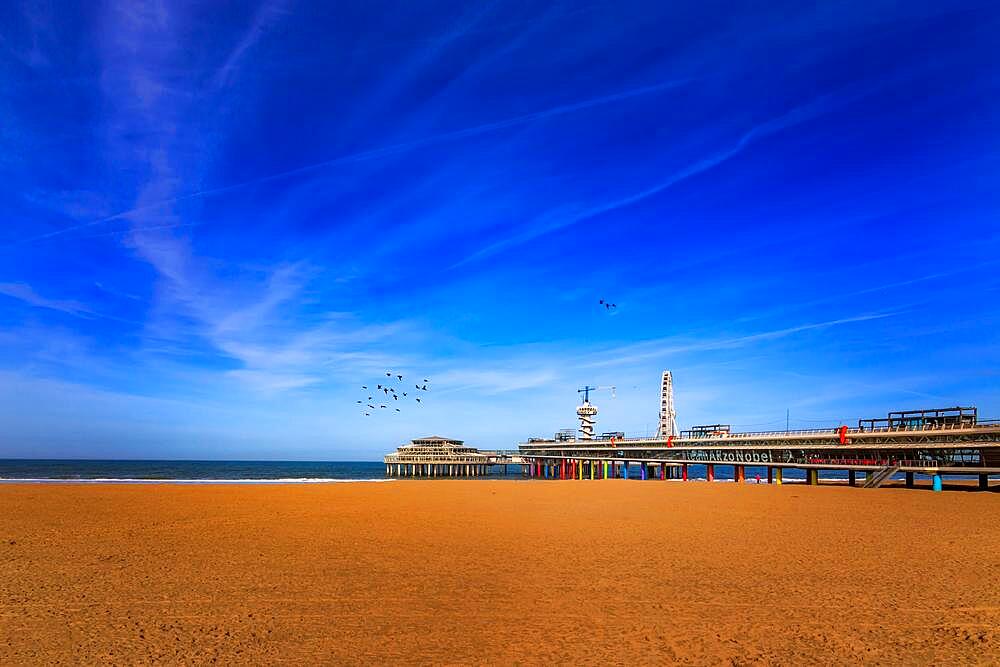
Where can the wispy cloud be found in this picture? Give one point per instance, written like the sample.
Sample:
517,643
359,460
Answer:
491,381
259,322
267,14
27,294
656,349
372,154
572,214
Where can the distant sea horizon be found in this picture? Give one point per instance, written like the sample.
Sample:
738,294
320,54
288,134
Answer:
188,470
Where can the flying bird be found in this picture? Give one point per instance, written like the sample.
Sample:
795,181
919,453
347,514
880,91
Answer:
424,387
359,402
418,400
397,409
378,386
400,377
371,406
381,406
364,386
404,393
395,398
367,414
388,374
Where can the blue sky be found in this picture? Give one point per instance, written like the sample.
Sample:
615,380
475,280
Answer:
221,219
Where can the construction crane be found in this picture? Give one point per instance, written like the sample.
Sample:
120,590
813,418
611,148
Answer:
588,412
586,391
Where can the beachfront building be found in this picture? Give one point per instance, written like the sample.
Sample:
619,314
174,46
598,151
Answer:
437,457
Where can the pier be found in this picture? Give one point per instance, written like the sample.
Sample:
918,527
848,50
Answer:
873,454
938,442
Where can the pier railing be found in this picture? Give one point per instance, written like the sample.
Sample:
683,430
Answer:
811,432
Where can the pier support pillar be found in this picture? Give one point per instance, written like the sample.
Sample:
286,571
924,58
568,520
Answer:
777,476
663,471
684,472
605,470
741,474
909,480
710,472
984,482
937,482
625,470
851,478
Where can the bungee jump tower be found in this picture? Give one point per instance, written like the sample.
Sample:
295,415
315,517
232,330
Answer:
587,413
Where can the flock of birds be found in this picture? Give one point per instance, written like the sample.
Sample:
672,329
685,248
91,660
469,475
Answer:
372,406
388,391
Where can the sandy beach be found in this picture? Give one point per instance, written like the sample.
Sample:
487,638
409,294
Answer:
464,572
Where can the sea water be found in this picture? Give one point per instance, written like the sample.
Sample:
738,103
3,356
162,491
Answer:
304,472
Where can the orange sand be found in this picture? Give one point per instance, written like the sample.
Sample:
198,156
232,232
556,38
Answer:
498,572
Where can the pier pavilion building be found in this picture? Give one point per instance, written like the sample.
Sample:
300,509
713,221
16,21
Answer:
438,457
